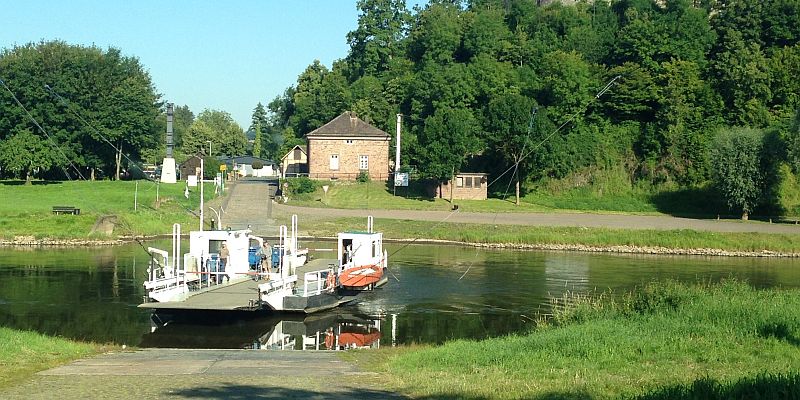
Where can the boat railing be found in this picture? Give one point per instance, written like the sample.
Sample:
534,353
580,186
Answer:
277,284
316,282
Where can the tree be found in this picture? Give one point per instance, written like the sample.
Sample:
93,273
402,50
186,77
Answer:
687,114
24,152
793,143
218,127
124,113
436,34
257,141
97,96
743,79
264,143
488,34
737,174
377,40
508,128
447,138
369,102
321,95
259,117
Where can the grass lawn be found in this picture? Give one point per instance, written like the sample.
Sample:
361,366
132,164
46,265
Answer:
22,354
27,210
665,341
379,195
531,235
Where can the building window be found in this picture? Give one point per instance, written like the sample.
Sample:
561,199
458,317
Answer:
459,181
363,163
477,182
468,182
349,141
334,162
297,154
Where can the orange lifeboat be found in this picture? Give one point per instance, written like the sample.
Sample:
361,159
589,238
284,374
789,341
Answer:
361,276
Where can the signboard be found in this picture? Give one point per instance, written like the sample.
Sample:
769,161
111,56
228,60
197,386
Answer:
191,180
223,167
401,179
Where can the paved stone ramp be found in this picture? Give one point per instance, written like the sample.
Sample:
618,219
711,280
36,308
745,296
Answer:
208,374
247,204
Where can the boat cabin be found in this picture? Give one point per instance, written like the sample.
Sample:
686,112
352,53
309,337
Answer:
205,246
360,248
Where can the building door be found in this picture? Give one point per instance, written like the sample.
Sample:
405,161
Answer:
334,162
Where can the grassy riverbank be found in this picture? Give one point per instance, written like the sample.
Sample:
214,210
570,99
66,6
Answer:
595,237
151,209
666,341
22,354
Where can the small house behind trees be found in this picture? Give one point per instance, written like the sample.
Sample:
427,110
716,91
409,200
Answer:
189,167
294,163
469,186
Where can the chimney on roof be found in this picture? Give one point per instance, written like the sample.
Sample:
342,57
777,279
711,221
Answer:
353,118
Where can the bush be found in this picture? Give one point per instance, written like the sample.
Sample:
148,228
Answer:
301,185
363,177
258,164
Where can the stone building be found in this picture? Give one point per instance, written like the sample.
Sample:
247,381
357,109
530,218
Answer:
469,186
347,146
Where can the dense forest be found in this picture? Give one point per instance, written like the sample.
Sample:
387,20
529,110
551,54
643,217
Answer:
662,95
652,89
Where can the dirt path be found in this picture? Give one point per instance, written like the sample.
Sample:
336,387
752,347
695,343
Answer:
248,204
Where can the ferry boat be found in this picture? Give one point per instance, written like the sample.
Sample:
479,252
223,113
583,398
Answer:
362,259
200,280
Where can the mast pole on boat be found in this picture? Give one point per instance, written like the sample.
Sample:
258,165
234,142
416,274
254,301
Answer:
282,250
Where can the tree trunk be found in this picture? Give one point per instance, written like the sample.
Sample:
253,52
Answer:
745,216
28,178
452,184
517,188
92,174
119,159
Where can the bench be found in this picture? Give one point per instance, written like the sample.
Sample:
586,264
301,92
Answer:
66,210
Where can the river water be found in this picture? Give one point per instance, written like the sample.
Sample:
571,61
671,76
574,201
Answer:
434,294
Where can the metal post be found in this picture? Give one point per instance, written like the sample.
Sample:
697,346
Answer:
136,197
202,204
397,146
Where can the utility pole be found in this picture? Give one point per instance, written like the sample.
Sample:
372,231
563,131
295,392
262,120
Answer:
397,146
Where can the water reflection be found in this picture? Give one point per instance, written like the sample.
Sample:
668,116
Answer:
434,294
325,331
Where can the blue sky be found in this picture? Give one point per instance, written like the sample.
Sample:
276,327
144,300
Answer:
225,55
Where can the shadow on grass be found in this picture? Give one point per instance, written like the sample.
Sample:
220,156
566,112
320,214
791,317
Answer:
546,396
35,183
779,331
700,203
414,191
231,391
763,387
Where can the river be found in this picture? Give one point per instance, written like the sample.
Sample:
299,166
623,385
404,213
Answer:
434,294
